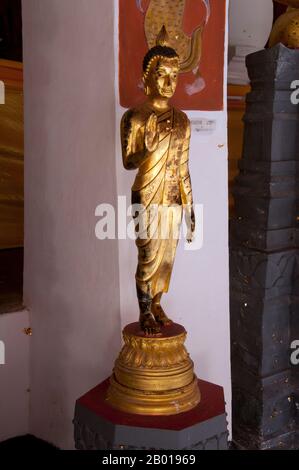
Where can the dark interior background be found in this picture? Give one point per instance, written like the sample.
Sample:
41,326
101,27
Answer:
11,30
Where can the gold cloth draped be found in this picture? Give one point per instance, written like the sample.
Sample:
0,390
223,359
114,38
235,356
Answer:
161,187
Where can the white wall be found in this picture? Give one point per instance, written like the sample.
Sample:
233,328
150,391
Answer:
14,376
199,291
71,279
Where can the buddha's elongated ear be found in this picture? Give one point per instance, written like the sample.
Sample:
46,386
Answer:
146,87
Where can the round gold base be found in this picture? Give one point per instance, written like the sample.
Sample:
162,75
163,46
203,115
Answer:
154,375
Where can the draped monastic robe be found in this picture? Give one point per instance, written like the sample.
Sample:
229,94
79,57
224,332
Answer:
162,186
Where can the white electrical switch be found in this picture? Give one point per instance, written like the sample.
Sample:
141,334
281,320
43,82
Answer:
203,125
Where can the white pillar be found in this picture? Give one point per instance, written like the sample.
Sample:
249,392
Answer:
71,278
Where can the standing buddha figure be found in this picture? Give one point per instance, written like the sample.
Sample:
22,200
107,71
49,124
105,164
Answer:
155,141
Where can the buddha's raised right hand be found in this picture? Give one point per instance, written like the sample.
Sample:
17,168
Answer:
152,133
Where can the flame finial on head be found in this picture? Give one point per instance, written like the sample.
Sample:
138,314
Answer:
162,50
163,38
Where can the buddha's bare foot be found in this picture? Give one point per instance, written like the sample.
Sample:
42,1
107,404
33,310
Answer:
149,325
160,315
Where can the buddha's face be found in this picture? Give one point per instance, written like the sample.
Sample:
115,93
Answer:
163,78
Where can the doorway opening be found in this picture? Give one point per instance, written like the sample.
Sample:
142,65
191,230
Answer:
11,158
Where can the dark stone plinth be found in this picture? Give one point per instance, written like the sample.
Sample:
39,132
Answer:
264,243
98,426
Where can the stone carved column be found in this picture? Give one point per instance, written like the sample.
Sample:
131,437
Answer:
264,257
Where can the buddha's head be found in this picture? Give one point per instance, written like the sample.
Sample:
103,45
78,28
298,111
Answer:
161,67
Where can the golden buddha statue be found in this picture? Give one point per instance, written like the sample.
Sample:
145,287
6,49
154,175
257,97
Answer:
286,27
154,374
155,140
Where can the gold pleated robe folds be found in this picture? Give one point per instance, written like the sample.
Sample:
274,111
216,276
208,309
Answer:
162,186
